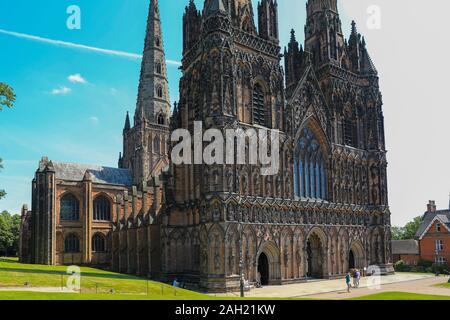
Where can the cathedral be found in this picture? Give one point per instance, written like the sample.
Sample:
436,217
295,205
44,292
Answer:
323,213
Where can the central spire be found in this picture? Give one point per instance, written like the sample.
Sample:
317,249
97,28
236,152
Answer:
153,103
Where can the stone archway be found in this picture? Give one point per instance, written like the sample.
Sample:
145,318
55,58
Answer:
314,257
356,256
269,264
315,254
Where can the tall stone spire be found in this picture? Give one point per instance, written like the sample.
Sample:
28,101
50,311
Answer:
153,102
144,144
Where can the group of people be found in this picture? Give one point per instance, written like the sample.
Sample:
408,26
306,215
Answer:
356,276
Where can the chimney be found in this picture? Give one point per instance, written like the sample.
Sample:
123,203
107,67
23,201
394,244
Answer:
431,207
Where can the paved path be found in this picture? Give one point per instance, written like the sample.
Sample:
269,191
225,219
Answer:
317,287
423,286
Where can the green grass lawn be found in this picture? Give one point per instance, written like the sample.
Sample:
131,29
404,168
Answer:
401,296
94,283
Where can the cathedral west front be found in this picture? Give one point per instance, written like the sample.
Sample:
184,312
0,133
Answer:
324,212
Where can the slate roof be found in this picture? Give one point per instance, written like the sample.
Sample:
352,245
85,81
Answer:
443,215
405,247
98,174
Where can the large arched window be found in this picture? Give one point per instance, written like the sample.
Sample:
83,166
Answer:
102,209
309,168
98,243
71,244
259,107
69,208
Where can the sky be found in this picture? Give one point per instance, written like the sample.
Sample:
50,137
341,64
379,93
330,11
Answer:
74,86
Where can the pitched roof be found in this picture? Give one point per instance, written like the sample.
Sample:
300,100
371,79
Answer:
405,247
98,174
441,215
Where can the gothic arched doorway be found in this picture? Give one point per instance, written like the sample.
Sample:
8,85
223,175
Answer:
351,260
263,269
315,257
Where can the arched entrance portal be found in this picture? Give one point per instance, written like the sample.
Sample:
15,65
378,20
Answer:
314,255
269,264
263,269
356,256
351,260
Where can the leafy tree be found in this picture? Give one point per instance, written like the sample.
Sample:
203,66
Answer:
397,233
408,231
7,96
9,234
2,192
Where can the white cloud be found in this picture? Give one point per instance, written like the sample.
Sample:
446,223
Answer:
80,46
61,90
93,120
77,78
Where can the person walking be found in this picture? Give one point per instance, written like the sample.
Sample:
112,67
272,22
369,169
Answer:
348,281
357,277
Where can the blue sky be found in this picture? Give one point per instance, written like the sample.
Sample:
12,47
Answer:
84,123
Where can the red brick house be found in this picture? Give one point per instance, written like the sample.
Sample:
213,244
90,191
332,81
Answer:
432,240
434,235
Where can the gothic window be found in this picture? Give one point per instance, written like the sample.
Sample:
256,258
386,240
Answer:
159,92
158,68
349,132
69,208
157,41
72,244
259,108
161,119
102,209
309,168
98,243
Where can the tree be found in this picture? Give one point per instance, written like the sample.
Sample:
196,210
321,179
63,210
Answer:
411,228
9,234
408,231
7,96
2,192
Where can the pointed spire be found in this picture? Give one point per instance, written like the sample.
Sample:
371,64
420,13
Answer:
354,31
127,123
153,93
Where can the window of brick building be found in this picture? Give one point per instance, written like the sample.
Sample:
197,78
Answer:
438,227
71,244
439,245
69,208
102,209
98,243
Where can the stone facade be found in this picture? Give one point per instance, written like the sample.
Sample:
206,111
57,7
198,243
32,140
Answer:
326,210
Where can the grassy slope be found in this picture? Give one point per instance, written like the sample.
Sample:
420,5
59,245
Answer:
401,296
14,274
